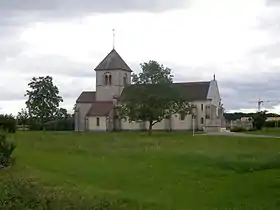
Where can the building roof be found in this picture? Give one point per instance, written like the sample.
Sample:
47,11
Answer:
100,108
191,91
113,61
86,97
194,91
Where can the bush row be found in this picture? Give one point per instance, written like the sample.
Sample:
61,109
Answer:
60,125
240,129
8,123
272,124
22,193
55,125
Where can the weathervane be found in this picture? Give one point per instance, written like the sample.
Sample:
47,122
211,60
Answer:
114,38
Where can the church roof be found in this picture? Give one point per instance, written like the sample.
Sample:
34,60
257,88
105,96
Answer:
100,108
195,91
191,91
86,97
113,61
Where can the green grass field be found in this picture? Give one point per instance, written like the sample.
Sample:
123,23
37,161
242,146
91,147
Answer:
164,171
267,131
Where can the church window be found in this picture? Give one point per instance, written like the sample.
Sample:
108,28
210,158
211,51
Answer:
202,120
182,116
202,107
107,79
110,80
97,121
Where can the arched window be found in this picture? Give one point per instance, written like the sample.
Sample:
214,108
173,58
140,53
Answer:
110,80
182,116
107,79
97,121
202,121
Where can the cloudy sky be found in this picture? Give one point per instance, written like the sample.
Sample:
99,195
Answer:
238,40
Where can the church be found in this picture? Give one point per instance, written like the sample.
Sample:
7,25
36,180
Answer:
95,110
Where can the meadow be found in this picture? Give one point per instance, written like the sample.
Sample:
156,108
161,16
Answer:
137,171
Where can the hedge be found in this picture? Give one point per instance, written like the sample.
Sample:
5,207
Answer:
8,123
272,124
60,125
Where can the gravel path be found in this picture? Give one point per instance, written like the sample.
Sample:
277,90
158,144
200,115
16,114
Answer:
239,134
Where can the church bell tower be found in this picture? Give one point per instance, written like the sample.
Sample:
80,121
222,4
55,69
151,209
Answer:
112,75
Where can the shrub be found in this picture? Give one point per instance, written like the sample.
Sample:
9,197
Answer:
35,125
272,124
252,129
22,193
237,129
259,120
6,150
8,123
66,124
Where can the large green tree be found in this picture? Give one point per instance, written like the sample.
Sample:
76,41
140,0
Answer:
259,119
152,97
43,99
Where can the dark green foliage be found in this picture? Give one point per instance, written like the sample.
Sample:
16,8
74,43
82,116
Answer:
8,123
152,73
23,117
62,121
238,115
66,124
6,150
153,97
35,124
272,124
43,99
237,129
26,194
259,119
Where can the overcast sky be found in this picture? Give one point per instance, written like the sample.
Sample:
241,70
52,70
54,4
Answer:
238,40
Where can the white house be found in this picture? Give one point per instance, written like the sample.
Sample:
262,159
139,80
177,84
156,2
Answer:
95,109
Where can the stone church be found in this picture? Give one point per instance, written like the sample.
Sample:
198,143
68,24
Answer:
95,109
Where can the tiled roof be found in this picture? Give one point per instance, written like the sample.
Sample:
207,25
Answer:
113,61
86,97
194,91
100,108
191,91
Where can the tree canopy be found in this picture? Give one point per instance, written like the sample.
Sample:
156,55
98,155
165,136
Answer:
43,99
259,119
152,97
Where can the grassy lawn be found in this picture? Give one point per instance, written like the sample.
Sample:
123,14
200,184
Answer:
164,171
267,131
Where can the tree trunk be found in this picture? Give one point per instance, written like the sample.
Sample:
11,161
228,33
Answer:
150,127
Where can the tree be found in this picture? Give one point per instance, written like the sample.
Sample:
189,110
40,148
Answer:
23,118
43,99
62,114
259,119
153,97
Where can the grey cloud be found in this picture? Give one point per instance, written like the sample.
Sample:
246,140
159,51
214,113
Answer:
238,95
49,64
69,87
270,51
71,7
273,2
240,89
